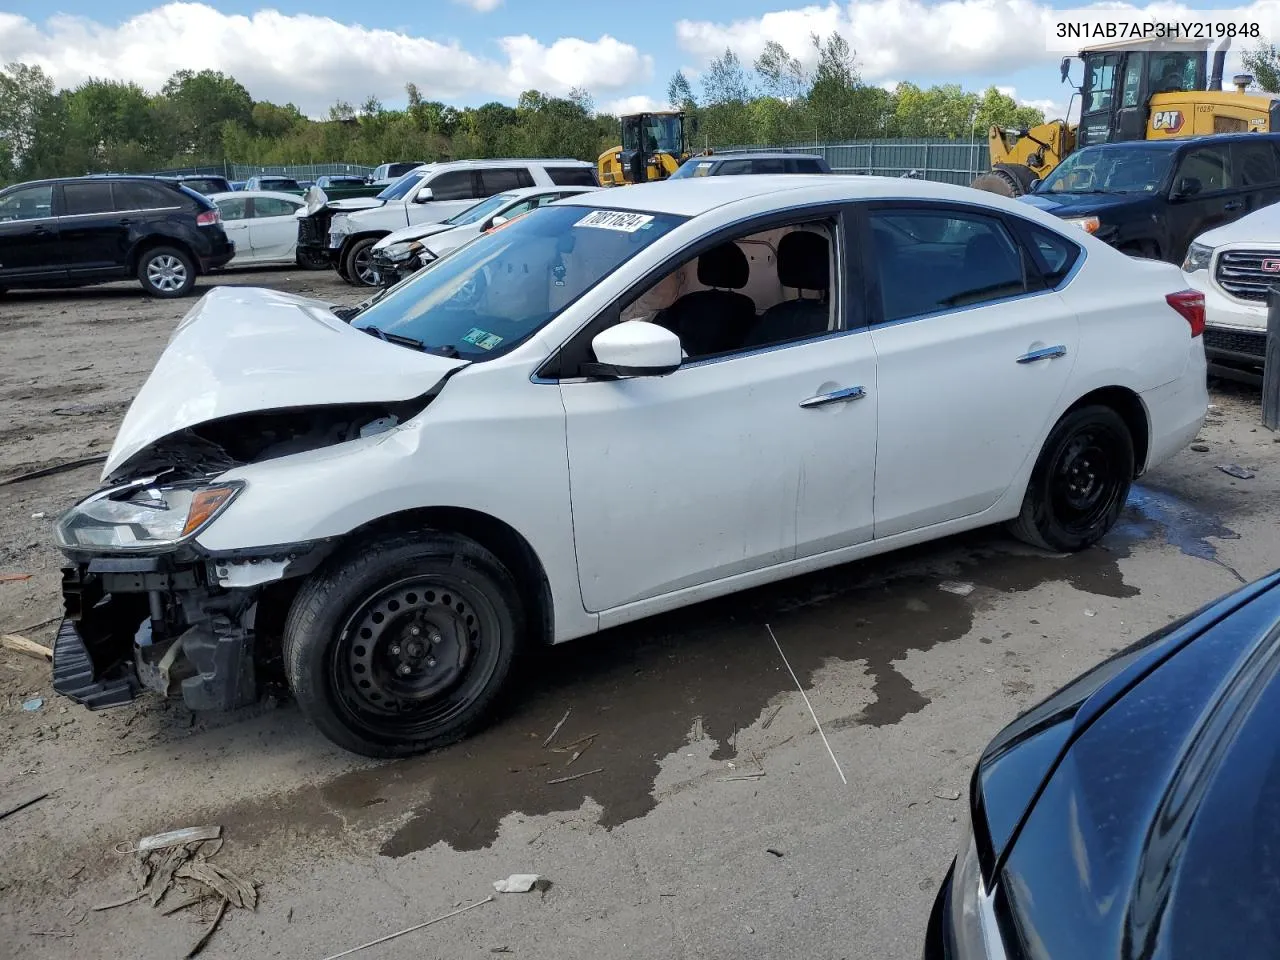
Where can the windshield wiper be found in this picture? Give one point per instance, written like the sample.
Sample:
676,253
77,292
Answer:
395,338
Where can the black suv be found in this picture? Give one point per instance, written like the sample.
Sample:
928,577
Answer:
740,164
1151,198
84,230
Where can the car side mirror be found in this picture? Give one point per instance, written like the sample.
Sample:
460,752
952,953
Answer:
1187,187
424,195
634,348
1035,185
497,221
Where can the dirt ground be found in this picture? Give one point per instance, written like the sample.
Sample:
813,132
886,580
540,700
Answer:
666,847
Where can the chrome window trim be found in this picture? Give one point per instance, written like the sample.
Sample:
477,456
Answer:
990,924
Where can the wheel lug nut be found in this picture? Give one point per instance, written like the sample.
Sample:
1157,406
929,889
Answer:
415,631
403,670
395,649
431,661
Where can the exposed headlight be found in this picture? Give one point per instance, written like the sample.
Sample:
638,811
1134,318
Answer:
1197,258
143,518
971,918
1087,224
397,252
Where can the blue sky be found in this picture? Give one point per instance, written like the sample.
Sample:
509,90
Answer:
470,51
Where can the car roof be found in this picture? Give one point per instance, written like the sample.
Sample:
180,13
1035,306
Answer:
696,195
499,162
235,194
1174,143
754,155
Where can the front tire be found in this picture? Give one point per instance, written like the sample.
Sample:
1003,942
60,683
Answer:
403,644
1080,482
357,263
166,272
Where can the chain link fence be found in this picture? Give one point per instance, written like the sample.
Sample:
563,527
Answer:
946,161
243,171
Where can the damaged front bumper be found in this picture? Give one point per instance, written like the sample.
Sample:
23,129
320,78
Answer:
181,625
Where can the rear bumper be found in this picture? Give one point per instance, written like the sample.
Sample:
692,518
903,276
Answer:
1177,409
218,259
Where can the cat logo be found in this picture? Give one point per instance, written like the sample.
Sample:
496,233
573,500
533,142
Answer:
1169,120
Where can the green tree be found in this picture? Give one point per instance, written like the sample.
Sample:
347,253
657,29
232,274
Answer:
26,101
680,93
1263,61
199,104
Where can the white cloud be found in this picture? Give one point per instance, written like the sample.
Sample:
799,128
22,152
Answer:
570,62
979,39
636,104
481,6
311,60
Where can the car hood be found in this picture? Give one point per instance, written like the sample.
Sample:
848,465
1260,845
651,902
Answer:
243,350
415,232
1081,204
1261,226
1134,816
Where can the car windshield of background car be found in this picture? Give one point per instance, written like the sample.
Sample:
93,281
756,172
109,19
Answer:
481,210
487,297
1127,169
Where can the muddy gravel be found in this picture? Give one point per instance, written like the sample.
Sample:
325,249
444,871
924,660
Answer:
704,755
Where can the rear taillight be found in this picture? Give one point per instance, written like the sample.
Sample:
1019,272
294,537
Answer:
208,218
1189,303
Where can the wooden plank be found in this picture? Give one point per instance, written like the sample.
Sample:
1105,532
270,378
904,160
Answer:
18,644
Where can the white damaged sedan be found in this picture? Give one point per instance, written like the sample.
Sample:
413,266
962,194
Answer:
616,405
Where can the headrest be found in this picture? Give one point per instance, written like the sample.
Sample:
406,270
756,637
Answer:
802,261
724,266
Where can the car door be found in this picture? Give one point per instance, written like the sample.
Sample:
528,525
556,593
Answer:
440,197
1256,172
29,243
93,235
735,462
1202,196
235,221
273,229
973,354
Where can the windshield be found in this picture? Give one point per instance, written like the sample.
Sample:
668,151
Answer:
1132,168
481,209
401,188
661,133
693,168
487,297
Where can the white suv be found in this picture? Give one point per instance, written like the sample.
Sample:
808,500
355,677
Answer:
1234,266
441,190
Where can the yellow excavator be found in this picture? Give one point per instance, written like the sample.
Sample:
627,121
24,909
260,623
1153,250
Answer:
1131,91
653,145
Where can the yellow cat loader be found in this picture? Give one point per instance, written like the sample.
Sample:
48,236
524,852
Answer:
1132,91
653,146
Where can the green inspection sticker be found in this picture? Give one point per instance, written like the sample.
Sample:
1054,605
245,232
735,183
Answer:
482,338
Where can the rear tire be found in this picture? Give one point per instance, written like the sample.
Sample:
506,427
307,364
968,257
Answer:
1080,482
403,644
166,272
357,268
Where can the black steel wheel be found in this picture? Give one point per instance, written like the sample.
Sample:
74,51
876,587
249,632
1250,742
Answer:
403,644
1080,482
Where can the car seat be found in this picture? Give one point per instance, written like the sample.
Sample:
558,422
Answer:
803,263
713,321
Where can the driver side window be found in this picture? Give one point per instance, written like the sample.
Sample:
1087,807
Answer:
1208,165
757,290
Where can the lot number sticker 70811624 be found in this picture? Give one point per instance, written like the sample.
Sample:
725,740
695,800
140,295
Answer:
615,220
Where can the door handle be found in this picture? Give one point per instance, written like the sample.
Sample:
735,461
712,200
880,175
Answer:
1044,353
124,221
39,231
835,396
1233,205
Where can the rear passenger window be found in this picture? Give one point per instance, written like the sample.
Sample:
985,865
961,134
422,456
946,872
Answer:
572,176
1254,163
734,168
232,208
930,261
452,186
769,165
1057,254
503,178
272,207
141,196
806,165
81,199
